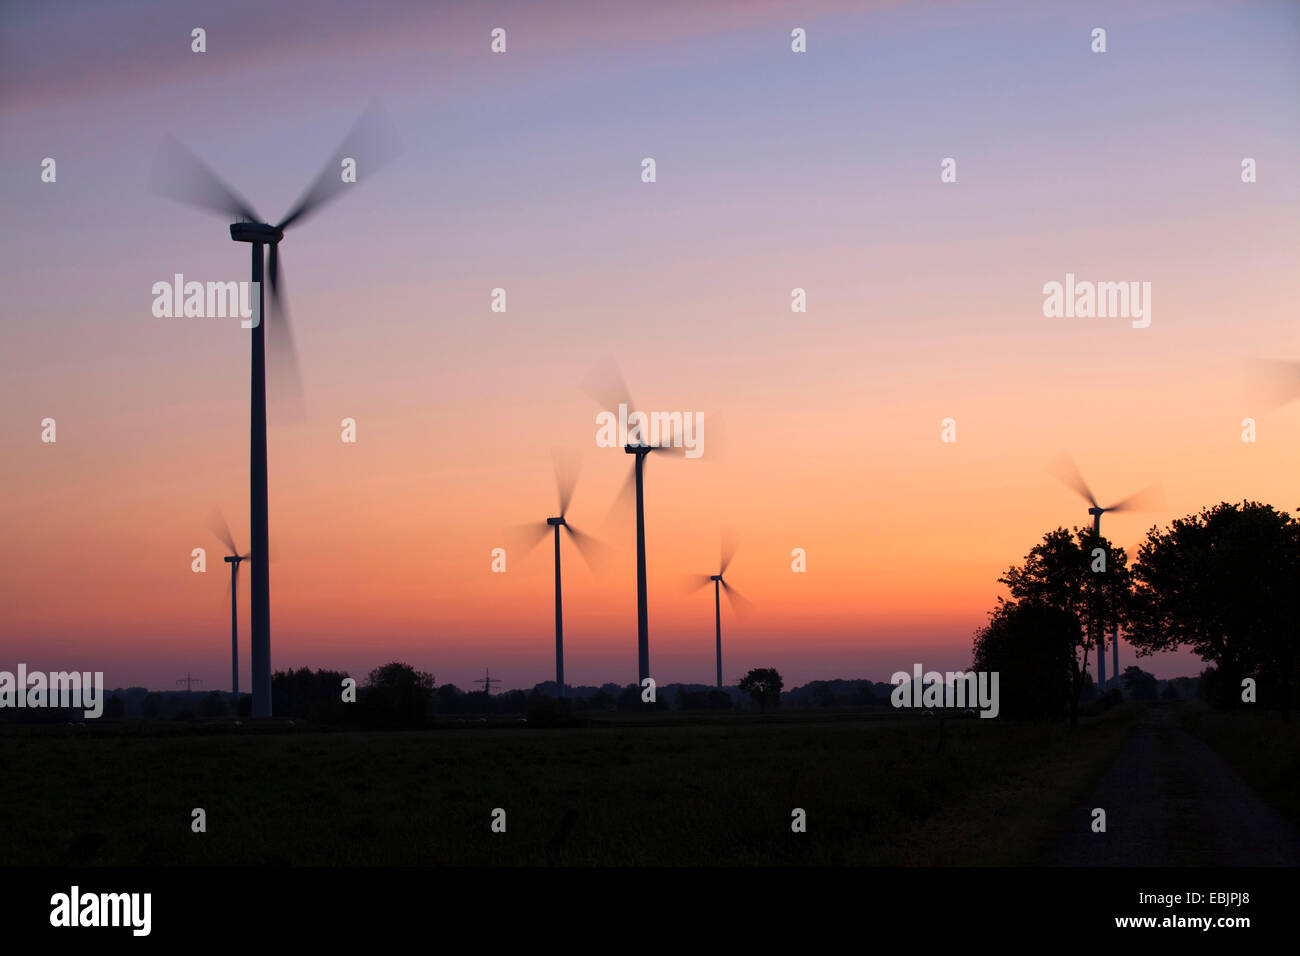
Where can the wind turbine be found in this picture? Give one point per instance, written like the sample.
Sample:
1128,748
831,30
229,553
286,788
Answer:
608,388
738,601
234,559
1068,473
185,178
566,477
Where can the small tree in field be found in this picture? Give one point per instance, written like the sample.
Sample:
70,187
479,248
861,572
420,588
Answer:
764,685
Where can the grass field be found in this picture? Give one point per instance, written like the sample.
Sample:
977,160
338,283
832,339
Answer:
716,791
1263,747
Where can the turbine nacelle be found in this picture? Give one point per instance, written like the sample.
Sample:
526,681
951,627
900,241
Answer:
639,449
255,232
557,522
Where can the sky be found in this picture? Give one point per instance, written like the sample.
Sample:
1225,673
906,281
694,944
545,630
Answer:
775,170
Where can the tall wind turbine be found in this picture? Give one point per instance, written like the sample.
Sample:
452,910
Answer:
608,388
1143,500
566,477
186,179
738,601
234,559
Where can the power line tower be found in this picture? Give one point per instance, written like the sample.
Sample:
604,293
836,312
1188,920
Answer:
487,681
189,682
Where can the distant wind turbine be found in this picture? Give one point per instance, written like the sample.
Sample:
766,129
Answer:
184,177
1148,499
566,478
737,600
234,559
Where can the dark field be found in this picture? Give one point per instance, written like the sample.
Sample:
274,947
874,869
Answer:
676,791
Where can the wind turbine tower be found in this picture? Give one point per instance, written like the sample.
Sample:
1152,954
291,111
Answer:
187,179
1143,500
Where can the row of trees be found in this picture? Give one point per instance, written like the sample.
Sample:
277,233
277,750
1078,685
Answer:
398,696
1221,583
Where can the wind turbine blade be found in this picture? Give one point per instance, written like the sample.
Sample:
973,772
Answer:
371,143
728,551
523,538
693,582
670,446
624,504
740,603
1150,498
566,477
605,384
689,437
1274,383
1067,472
180,175
286,383
595,553
217,522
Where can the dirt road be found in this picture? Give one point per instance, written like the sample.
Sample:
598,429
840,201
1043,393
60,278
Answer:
1172,801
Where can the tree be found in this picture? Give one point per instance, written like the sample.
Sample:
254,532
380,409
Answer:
447,699
686,699
822,695
864,696
1139,684
212,705
544,710
397,696
764,685
1031,646
1223,583
310,695
1083,575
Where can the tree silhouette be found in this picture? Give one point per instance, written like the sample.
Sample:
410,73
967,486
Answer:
212,705
1139,684
152,705
396,696
1031,645
822,695
764,685
1223,582
1083,575
310,695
